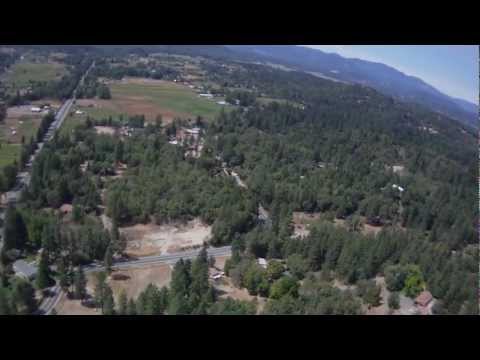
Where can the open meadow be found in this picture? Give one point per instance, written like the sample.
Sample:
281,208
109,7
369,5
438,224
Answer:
21,74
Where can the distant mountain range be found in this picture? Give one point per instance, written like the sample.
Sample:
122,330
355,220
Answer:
381,77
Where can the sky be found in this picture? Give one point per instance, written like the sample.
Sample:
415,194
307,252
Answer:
452,69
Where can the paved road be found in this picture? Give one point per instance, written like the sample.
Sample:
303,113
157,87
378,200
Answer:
49,303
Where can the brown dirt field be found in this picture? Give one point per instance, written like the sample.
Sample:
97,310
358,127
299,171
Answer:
136,105
132,105
97,103
152,239
136,280
53,102
73,307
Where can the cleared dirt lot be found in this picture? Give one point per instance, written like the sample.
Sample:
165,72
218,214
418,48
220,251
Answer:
106,130
73,307
134,281
152,239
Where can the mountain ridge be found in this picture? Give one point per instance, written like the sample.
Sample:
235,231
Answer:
380,76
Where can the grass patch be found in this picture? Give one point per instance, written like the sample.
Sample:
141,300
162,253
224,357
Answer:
9,153
25,72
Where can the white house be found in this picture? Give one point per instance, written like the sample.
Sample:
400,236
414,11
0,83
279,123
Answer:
35,109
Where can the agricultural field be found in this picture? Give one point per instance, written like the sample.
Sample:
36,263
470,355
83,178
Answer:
134,96
157,97
21,74
19,123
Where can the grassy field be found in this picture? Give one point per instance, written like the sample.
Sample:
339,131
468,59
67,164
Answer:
8,153
161,97
95,113
24,72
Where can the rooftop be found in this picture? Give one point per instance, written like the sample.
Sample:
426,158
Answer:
23,268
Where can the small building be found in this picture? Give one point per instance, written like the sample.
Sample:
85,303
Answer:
424,299
208,96
262,262
35,109
66,209
222,102
24,269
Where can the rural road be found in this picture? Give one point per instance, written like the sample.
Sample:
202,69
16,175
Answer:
49,303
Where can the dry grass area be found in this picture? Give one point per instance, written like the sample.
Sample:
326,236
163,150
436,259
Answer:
134,281
152,239
73,307
96,103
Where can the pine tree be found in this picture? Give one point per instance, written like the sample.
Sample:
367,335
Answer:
80,285
108,306
43,279
131,307
100,289
63,276
123,303
15,233
108,260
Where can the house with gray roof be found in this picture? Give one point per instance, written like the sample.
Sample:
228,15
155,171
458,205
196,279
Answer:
24,269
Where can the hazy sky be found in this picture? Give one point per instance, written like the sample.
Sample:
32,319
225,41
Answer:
452,69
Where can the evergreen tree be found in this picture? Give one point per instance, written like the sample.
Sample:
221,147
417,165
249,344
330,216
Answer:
108,260
99,291
15,233
123,303
43,278
80,284
108,305
23,297
132,307
394,301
